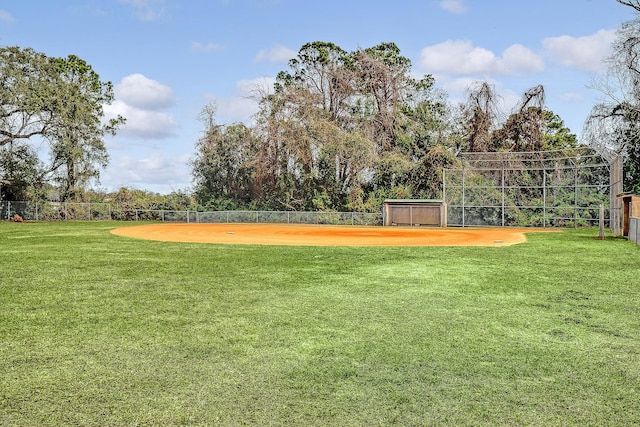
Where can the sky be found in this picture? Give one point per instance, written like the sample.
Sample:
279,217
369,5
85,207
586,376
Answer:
168,59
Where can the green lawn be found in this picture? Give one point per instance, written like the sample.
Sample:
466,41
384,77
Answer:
97,329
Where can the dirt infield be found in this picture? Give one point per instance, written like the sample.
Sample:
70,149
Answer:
326,235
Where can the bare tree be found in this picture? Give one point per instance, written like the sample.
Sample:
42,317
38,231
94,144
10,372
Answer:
524,129
613,125
631,3
481,112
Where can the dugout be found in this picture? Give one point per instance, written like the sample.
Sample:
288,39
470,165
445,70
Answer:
630,215
415,212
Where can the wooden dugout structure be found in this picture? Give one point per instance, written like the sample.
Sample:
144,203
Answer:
631,216
414,212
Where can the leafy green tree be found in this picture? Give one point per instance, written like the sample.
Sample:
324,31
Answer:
61,101
21,171
556,136
27,94
78,150
324,70
221,168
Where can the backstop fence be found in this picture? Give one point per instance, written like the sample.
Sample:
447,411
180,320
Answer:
562,188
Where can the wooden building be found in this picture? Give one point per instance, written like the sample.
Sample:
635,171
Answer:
415,212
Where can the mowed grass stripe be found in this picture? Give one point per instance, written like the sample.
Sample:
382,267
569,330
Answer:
97,329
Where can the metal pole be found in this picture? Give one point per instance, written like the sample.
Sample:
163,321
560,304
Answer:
463,196
444,186
544,198
601,233
575,197
502,185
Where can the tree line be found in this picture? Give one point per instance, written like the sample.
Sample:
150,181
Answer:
346,130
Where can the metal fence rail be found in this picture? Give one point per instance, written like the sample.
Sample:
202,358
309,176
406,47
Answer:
109,212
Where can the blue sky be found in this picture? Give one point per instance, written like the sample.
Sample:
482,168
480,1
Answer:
170,58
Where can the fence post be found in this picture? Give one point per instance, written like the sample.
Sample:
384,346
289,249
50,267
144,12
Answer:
502,190
575,198
463,196
444,185
601,233
544,198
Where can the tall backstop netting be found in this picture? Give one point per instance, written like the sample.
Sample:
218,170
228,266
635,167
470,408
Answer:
563,188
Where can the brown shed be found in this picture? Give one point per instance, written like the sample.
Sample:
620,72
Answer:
631,209
415,212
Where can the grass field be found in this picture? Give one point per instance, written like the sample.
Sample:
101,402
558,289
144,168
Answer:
97,329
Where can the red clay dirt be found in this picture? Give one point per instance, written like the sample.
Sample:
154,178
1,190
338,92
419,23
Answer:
326,235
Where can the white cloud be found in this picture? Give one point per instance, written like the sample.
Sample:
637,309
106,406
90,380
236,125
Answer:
457,87
147,10
508,100
154,169
457,57
584,53
572,97
277,54
242,105
140,101
6,17
517,59
453,6
461,57
209,47
139,91
141,123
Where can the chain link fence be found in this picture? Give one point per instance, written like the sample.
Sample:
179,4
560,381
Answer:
542,189
634,230
109,212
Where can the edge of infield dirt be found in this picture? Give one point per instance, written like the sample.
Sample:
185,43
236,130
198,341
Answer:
326,235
